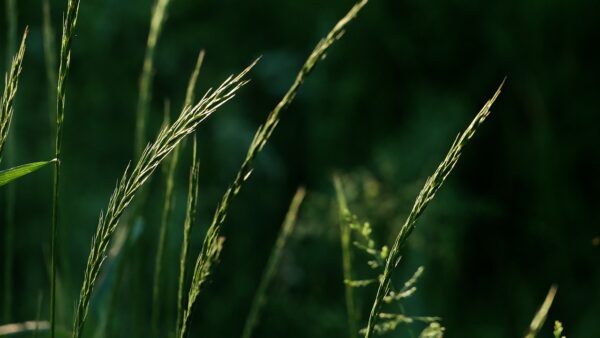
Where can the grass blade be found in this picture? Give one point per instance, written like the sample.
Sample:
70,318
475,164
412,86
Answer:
345,238
212,242
131,181
158,16
542,313
432,185
286,230
9,175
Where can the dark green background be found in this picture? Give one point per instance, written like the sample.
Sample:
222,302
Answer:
518,214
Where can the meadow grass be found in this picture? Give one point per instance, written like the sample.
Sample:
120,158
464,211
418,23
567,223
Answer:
213,242
131,181
432,185
159,10
170,169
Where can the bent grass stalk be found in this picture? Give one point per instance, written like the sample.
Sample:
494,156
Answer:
432,185
345,239
69,23
131,181
158,16
286,230
211,246
541,314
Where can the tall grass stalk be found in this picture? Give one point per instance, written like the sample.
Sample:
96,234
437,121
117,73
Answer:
192,198
68,30
432,185
261,293
190,219
158,16
131,181
14,64
211,246
541,314
345,239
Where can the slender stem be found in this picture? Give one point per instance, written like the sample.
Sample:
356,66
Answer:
69,23
49,58
345,233
158,15
171,166
190,214
286,230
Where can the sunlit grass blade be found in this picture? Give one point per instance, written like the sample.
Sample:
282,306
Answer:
273,263
345,239
130,183
212,242
159,10
432,185
541,314
9,175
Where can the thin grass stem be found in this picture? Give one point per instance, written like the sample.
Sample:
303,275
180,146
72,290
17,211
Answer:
260,296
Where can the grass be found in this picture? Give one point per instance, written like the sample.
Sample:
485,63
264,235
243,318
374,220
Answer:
131,181
432,185
158,17
69,24
165,150
212,245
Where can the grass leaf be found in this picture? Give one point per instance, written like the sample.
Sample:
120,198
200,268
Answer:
9,175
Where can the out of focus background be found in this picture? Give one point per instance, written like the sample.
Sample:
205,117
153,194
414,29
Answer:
517,215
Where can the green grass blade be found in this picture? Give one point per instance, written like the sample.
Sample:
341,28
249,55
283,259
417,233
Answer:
541,314
9,175
158,16
212,242
432,185
132,181
275,257
345,239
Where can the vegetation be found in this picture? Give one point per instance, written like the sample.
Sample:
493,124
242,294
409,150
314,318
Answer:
368,298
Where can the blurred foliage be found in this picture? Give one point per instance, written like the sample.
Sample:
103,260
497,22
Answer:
516,216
